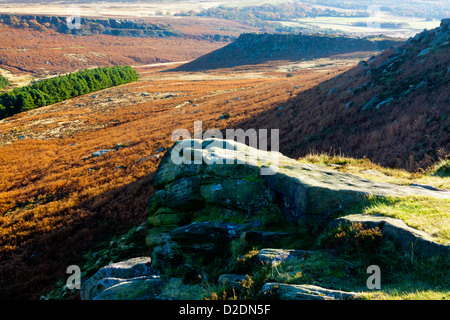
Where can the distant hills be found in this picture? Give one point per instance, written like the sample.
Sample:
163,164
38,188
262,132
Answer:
252,48
111,26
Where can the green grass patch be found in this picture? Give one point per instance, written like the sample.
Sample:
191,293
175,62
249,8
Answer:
347,270
423,213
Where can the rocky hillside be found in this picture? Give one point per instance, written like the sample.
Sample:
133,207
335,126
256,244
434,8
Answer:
252,48
111,26
393,108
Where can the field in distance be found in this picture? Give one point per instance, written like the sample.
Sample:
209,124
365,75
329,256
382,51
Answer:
399,19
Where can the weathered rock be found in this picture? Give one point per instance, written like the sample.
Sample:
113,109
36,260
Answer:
229,191
440,38
426,187
407,238
383,103
304,292
183,194
363,64
156,202
166,216
101,153
239,194
166,253
144,288
421,35
277,256
102,285
158,236
387,63
161,223
424,52
372,103
445,24
116,273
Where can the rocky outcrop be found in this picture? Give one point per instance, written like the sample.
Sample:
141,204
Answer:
89,26
420,48
403,126
200,207
233,280
299,184
251,48
125,280
411,240
277,256
201,232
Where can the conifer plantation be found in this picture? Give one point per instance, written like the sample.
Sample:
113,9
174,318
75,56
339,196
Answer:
53,90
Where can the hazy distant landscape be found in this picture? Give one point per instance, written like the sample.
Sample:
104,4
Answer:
93,93
399,18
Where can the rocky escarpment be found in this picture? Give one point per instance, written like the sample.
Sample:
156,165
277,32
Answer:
251,48
111,26
88,26
215,196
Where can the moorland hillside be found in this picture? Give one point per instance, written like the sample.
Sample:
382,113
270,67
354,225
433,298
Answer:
392,108
252,48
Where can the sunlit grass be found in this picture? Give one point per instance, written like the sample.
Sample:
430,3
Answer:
436,175
414,294
422,213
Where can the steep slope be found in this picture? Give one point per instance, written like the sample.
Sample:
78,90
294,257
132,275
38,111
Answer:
111,26
251,48
393,108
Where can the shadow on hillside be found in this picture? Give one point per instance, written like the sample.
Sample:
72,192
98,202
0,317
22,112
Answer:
334,118
298,120
35,266
202,64
253,49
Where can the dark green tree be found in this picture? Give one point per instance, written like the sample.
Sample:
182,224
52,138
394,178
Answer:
52,90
